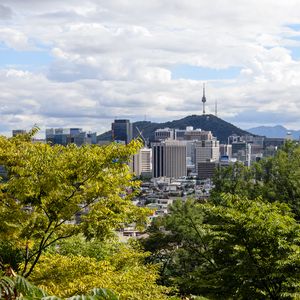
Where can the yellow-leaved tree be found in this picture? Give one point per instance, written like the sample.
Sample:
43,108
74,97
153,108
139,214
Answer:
44,189
123,272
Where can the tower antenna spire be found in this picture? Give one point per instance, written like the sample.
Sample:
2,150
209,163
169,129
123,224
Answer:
216,108
203,99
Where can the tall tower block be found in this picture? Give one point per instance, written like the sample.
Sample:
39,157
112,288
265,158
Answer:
203,99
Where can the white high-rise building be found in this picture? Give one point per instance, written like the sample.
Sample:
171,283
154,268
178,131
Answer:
191,134
164,134
142,162
169,159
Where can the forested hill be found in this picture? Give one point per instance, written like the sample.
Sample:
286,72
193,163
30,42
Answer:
220,128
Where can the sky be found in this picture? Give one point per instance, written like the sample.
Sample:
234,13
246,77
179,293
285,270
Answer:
77,63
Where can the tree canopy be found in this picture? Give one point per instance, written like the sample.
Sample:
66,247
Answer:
45,190
122,270
238,249
273,178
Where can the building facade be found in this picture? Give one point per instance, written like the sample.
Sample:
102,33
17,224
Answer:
142,162
169,159
164,134
65,136
206,151
121,131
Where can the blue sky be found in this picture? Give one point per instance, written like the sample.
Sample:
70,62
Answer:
28,60
202,73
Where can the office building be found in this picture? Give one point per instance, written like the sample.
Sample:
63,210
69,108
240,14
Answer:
169,159
16,132
164,134
121,131
239,149
65,136
198,135
206,151
226,150
191,134
142,162
274,142
206,169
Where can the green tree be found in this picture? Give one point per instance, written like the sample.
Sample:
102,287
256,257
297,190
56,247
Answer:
238,249
274,178
279,177
233,179
181,247
47,189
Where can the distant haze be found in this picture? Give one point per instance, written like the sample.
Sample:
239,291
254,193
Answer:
274,131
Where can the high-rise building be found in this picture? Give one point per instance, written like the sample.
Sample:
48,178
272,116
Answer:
142,162
226,150
16,132
198,135
206,151
169,159
65,136
191,134
207,169
164,134
239,149
121,131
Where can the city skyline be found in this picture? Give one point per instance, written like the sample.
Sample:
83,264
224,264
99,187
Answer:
73,63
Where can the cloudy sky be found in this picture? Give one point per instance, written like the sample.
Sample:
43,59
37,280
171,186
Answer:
83,63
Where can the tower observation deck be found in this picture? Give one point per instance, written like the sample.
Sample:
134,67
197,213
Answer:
203,99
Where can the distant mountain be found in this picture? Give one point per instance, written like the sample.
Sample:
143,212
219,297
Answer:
277,131
219,128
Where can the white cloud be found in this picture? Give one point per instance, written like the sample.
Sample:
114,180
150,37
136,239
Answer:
14,39
113,58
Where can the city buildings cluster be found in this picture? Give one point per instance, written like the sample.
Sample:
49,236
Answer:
174,153
177,163
177,153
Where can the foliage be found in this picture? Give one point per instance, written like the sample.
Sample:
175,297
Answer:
10,254
235,179
238,249
18,288
279,177
47,189
78,245
123,272
274,178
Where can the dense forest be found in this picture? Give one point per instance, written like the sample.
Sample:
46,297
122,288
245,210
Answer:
59,207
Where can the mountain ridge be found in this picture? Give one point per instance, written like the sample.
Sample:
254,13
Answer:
219,127
277,131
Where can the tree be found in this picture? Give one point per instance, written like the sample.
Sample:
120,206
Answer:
255,248
181,247
233,179
15,287
279,177
46,190
18,288
237,249
274,178
123,271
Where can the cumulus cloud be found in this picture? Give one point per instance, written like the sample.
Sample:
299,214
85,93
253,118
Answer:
115,59
5,12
